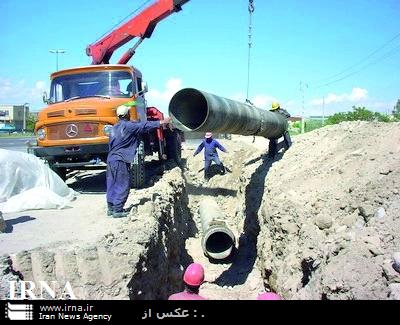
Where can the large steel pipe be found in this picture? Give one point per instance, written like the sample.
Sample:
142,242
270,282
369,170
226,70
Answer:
218,240
196,110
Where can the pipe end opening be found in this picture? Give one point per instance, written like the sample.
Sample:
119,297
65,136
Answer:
218,244
188,109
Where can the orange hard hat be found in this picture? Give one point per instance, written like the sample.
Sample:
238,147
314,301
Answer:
194,275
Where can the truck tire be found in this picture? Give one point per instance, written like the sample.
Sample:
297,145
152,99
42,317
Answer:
137,168
174,146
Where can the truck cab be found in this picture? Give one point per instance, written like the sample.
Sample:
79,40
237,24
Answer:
73,130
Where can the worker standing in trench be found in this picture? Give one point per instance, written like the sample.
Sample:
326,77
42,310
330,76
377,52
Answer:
273,142
122,150
192,279
210,146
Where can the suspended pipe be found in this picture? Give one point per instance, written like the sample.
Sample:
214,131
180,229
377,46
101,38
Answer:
218,240
196,110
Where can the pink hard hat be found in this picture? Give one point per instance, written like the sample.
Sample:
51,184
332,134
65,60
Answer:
208,135
269,296
194,275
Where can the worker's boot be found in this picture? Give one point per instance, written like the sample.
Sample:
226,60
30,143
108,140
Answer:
120,214
223,169
206,177
110,209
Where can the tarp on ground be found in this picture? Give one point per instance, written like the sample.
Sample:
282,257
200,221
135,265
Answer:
27,183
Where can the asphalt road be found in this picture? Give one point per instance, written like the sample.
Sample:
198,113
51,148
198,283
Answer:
16,144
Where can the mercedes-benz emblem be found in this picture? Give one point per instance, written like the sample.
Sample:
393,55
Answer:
71,130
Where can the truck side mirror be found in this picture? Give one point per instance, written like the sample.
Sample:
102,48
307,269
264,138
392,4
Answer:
45,98
145,88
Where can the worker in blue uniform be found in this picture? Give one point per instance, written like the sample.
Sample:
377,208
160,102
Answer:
210,146
124,139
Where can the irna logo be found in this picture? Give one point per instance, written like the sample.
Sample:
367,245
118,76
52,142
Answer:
20,290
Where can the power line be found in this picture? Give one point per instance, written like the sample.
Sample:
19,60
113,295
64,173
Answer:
383,57
359,62
364,59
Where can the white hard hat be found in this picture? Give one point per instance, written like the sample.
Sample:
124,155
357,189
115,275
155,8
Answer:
122,110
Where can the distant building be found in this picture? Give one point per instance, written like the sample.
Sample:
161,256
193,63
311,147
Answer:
14,115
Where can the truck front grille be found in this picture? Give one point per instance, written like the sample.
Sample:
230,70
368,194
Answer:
70,131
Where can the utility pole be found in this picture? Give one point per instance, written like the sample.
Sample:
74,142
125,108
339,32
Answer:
302,87
24,107
57,52
323,111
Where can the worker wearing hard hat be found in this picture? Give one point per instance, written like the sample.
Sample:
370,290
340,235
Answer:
192,279
210,146
122,150
273,143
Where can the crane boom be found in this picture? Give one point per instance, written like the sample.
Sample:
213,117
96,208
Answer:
141,26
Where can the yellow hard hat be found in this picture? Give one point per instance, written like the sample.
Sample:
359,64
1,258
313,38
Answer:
275,105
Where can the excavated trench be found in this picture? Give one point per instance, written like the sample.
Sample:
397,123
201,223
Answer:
143,256
322,223
317,224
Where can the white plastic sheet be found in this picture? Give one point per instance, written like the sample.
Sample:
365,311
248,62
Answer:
27,183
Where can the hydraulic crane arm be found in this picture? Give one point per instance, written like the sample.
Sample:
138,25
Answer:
141,26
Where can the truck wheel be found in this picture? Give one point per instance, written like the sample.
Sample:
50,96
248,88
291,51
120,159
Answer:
60,171
174,146
138,168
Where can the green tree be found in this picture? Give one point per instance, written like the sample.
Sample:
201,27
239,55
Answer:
30,122
358,114
396,108
396,111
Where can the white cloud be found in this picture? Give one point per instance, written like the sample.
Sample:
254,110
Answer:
291,106
263,101
161,98
5,88
356,95
259,100
19,92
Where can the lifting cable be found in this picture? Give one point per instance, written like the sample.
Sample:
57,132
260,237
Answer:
251,10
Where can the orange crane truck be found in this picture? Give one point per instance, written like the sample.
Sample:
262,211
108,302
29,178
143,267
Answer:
73,130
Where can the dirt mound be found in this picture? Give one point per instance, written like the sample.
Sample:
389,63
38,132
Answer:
330,217
322,221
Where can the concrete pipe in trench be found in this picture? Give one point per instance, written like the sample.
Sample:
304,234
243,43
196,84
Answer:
218,240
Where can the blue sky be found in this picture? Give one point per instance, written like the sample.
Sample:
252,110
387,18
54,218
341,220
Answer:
205,46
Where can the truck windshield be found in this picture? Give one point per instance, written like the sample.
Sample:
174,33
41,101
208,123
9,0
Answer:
92,84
